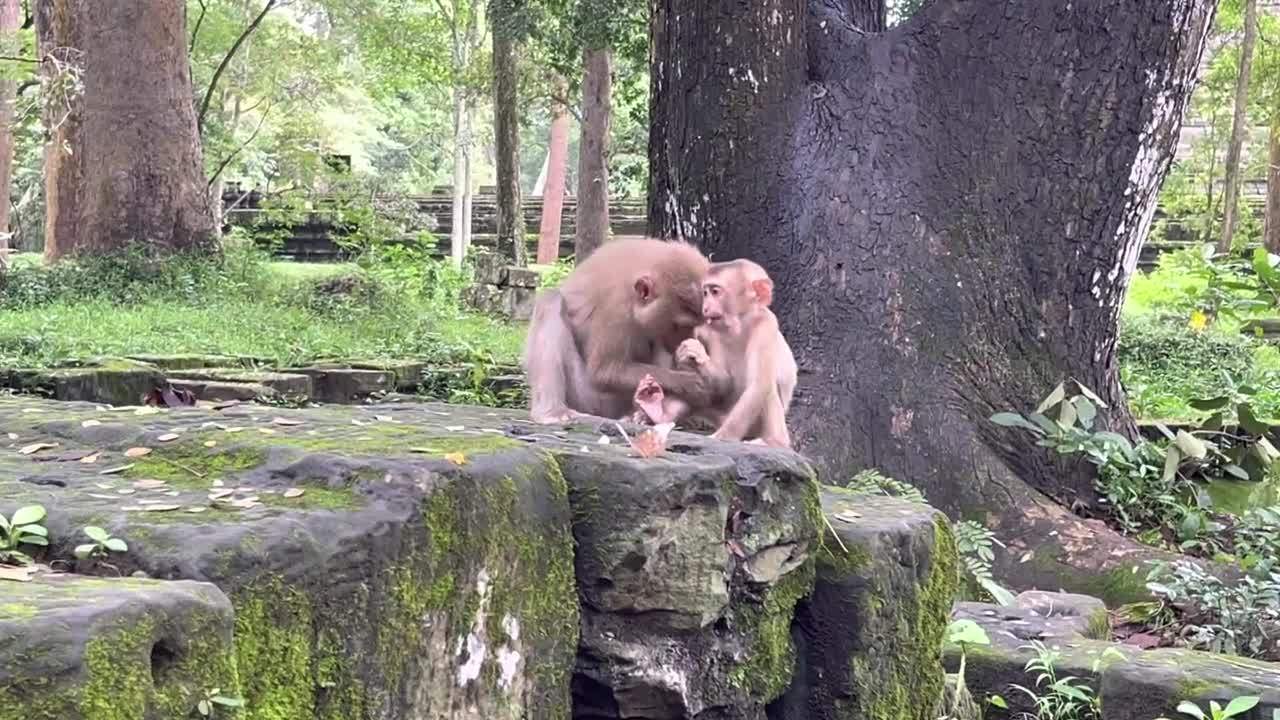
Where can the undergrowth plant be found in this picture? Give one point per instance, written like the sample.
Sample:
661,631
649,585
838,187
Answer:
101,544
1237,706
1055,697
23,528
1242,618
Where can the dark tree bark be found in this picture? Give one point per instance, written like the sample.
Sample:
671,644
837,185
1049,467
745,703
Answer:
592,226
124,166
506,128
1239,128
1272,233
951,210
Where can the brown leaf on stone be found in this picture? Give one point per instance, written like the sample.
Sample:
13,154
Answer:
126,491
196,509
222,493
286,422
168,437
90,458
149,484
137,452
228,405
36,447
266,431
1146,641
211,443
294,492
116,470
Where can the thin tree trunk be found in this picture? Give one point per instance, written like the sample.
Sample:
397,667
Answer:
133,172
553,191
506,127
1239,127
946,242
1211,210
592,226
457,231
1272,233
10,23
468,190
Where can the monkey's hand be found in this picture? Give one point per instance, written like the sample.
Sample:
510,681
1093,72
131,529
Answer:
649,400
692,353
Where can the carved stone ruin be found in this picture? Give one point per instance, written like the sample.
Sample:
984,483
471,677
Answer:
501,289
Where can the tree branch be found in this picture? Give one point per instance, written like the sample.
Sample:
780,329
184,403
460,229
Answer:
195,31
226,60
234,153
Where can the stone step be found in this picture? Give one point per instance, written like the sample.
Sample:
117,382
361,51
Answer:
219,391
284,383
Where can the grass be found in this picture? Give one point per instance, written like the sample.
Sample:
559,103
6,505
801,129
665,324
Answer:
271,310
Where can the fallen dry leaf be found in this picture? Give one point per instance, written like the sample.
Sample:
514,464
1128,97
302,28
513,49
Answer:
211,443
137,452
266,431
168,437
16,574
162,508
294,492
223,493
90,459
848,516
116,470
146,411
91,423
149,484
196,509
36,447
423,450
286,422
235,429
105,486
650,443
456,458
13,436
384,418
455,428
126,491
217,483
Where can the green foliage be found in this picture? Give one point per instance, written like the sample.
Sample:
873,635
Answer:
1242,618
556,274
101,544
975,544
1059,698
872,482
214,699
22,528
1237,706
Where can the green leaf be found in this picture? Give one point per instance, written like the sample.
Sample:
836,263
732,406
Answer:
998,701
1048,426
1213,423
1191,445
1266,451
996,590
228,701
1014,420
1086,411
204,707
1241,705
1171,460
1237,472
116,545
29,514
1210,404
84,551
35,540
40,530
1085,391
1186,707
1058,395
1067,415
1250,422
96,533
967,631
1164,430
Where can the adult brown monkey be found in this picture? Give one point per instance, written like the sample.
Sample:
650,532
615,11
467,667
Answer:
619,316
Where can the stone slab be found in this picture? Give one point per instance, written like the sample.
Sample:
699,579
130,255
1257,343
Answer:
216,391
192,361
85,647
345,385
110,381
284,383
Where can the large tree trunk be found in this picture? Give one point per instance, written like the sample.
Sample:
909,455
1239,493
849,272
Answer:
553,191
506,128
592,226
1272,234
951,209
1239,128
10,23
125,165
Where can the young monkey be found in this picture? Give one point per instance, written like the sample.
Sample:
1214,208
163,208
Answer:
741,349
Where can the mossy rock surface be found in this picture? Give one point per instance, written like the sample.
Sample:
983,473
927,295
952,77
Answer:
871,634
104,380
82,647
285,383
435,563
1132,684
346,385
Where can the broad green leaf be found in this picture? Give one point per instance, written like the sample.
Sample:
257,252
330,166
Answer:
1191,445
1085,410
1014,420
35,540
1241,705
967,631
228,701
1213,423
996,590
1210,404
1187,707
1058,395
998,701
1048,426
96,533
1171,460
117,545
1266,451
1236,472
84,551
1085,391
204,707
1164,430
1249,421
1067,415
27,515
40,530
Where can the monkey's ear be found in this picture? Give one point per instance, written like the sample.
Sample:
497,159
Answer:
644,288
763,288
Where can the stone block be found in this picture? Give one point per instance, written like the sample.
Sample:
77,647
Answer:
284,383
215,391
112,381
869,638
490,268
522,277
517,303
87,648
484,299
346,385
194,361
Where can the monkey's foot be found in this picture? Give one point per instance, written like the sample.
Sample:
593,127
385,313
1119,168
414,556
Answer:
556,416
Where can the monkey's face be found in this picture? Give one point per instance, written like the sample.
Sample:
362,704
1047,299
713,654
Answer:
671,316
